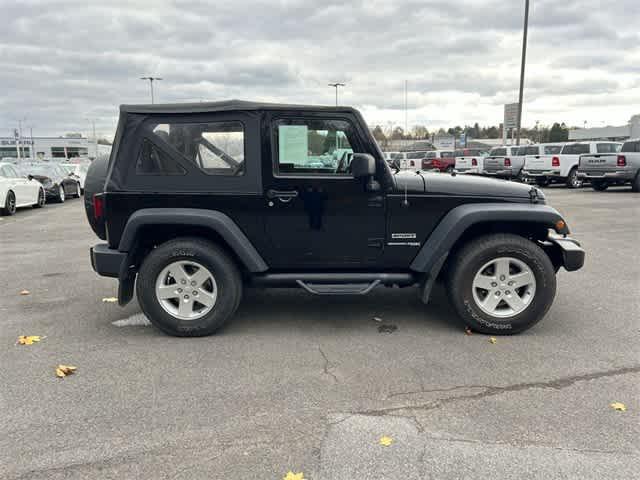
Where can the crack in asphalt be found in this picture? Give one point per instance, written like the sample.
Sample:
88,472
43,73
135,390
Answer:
326,367
490,391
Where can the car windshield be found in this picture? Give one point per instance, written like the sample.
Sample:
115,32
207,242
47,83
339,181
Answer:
42,169
396,156
69,168
416,155
631,147
498,152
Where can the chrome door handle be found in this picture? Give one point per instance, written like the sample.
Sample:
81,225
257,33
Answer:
284,196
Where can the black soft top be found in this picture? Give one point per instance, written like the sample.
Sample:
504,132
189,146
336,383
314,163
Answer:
226,106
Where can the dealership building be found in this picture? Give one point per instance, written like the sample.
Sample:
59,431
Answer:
34,148
624,132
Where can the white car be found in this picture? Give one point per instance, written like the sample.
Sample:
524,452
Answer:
470,160
563,167
17,191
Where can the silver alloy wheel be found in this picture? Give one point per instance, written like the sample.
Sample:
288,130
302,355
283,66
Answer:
61,193
186,290
504,287
576,182
78,190
11,203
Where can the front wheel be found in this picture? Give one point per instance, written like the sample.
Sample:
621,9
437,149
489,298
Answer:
599,185
61,194
41,199
189,287
501,284
9,204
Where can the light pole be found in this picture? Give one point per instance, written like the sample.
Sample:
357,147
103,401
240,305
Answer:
524,59
151,80
336,85
95,139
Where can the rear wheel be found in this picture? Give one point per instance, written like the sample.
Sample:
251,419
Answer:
635,185
9,204
41,199
78,193
449,169
189,287
573,181
501,284
599,185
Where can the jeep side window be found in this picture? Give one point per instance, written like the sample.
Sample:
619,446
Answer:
313,147
216,148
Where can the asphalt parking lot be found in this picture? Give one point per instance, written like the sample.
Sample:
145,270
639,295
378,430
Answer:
307,384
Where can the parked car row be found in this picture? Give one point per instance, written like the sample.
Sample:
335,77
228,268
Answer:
602,163
33,184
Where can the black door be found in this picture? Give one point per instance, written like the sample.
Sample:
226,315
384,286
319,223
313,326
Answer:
317,215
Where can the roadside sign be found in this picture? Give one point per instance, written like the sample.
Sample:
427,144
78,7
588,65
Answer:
463,140
443,142
511,115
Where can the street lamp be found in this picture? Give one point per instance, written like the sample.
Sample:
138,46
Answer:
524,58
151,79
336,85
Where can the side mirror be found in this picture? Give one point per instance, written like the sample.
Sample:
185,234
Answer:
363,165
30,177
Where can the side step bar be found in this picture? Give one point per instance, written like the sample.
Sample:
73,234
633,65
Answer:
334,283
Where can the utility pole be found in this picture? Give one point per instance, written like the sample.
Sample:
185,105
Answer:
524,59
151,80
406,116
32,148
336,85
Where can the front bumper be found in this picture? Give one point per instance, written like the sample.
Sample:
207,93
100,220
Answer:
107,261
569,251
619,174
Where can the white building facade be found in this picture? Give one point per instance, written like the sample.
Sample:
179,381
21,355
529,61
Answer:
625,132
35,148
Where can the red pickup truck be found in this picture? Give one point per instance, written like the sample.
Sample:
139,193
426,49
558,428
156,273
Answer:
442,160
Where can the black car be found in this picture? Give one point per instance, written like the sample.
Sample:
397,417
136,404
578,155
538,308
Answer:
203,200
58,184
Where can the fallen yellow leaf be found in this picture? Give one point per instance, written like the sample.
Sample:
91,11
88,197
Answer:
29,339
293,476
385,441
110,300
64,370
619,406
25,292
493,340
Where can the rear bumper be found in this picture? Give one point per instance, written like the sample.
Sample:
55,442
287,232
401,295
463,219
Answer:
619,174
570,250
541,173
504,173
475,170
107,261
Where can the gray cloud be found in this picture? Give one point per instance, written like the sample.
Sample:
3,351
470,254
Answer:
65,61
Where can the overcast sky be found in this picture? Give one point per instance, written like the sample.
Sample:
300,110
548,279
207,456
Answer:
64,61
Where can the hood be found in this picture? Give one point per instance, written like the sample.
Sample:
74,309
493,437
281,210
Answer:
466,185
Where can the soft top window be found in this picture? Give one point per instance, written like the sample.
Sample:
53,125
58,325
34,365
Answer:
216,148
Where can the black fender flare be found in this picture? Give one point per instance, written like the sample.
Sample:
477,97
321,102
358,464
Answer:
213,220
435,250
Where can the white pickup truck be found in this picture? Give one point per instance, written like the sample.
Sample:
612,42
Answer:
563,167
470,160
606,169
499,162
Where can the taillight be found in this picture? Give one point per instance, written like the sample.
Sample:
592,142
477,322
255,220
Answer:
555,162
98,206
507,162
474,162
622,161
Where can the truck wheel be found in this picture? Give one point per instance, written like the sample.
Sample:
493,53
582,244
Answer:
599,185
573,181
635,185
189,287
501,284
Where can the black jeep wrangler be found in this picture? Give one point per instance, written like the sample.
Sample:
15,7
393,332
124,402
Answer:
198,201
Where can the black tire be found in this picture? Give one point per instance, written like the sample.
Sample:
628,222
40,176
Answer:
635,184
573,181
449,169
62,196
9,204
542,182
211,256
470,259
599,185
42,199
78,193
